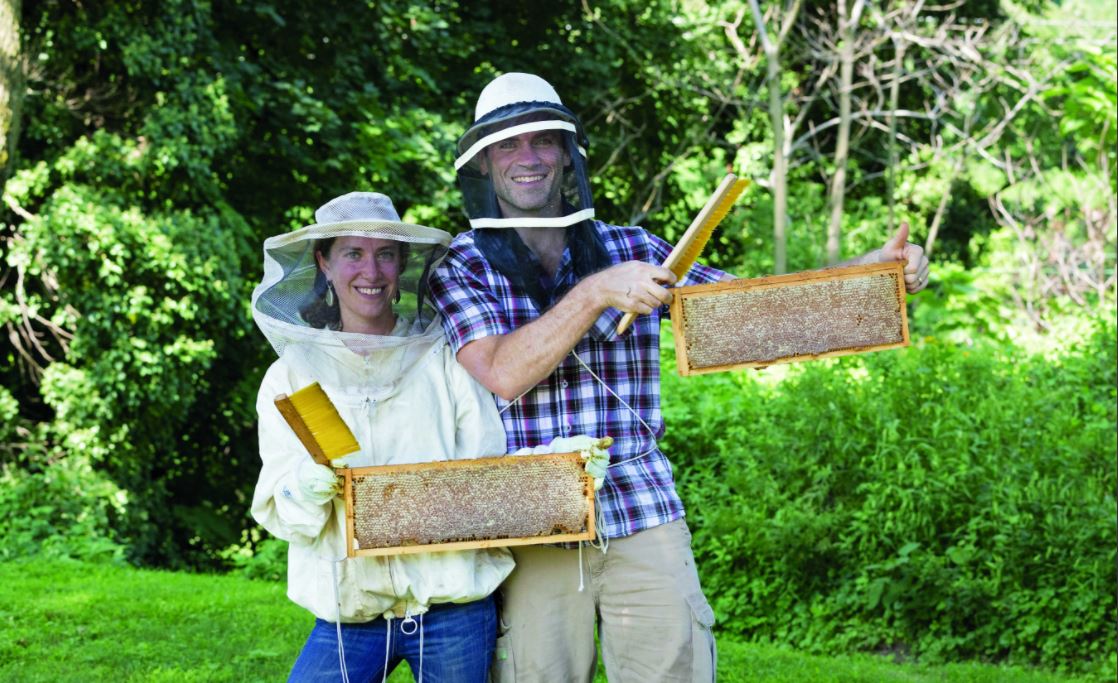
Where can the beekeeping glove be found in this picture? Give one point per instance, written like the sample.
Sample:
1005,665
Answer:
317,483
593,450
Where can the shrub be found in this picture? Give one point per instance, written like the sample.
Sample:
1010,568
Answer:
61,510
945,501
264,559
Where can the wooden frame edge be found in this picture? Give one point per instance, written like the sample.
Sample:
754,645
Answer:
350,519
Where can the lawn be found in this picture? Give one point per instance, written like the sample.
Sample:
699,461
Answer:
69,621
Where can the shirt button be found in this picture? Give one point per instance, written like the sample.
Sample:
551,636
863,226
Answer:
563,384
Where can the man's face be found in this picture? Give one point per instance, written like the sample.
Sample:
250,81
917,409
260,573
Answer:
527,173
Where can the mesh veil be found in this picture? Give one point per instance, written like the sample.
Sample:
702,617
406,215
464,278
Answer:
292,283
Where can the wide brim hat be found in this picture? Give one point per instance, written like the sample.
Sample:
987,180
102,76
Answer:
292,277
362,214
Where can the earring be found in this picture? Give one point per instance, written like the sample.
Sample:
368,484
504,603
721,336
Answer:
329,294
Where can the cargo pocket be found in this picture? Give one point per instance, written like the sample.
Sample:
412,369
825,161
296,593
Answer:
704,656
503,670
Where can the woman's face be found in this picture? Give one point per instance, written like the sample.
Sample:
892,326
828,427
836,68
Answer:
365,273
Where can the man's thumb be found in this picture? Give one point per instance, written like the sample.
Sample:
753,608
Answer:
894,248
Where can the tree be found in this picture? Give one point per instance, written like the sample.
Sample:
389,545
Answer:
11,85
785,19
847,23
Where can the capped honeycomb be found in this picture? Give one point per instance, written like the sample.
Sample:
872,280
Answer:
785,318
461,504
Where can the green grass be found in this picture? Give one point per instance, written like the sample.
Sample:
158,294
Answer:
69,621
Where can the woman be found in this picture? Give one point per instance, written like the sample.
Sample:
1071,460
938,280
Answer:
342,303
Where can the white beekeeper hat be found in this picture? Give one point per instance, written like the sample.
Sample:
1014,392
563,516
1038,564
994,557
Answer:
513,104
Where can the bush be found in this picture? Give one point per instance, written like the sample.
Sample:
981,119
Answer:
265,559
62,510
942,501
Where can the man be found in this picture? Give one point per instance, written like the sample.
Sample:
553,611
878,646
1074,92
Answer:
531,298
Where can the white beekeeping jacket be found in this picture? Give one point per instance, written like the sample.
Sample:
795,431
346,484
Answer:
406,400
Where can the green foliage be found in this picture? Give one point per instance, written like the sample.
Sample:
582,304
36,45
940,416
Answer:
948,502
223,628
153,297
266,559
61,511
1089,97
9,411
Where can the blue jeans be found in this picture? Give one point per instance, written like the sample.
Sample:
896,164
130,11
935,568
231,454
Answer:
457,645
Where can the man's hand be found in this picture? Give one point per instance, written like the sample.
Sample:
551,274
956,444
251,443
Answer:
898,248
633,286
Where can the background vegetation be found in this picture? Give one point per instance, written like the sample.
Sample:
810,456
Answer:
952,501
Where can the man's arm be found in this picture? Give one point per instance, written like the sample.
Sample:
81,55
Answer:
510,364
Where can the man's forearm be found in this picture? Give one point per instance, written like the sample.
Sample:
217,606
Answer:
510,364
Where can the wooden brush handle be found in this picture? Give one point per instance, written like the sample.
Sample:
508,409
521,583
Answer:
287,409
626,321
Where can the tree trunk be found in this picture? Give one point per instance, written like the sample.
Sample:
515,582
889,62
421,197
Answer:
11,86
781,139
780,165
894,97
842,144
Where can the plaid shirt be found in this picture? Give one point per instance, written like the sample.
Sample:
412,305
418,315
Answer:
476,301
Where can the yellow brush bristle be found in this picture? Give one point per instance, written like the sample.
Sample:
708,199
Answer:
723,202
325,424
689,247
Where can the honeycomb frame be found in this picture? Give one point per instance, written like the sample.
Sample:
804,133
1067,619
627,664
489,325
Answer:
789,318
468,504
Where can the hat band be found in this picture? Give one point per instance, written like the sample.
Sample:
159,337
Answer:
550,222
390,230
509,132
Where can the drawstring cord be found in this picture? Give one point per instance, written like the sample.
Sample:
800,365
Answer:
404,625
338,621
602,541
410,622
612,393
387,647
628,407
581,585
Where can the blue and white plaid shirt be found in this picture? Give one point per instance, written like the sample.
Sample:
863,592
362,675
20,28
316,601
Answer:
476,301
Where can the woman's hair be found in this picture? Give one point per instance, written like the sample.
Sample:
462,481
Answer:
314,310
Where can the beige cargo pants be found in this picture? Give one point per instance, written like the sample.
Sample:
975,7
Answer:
643,593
